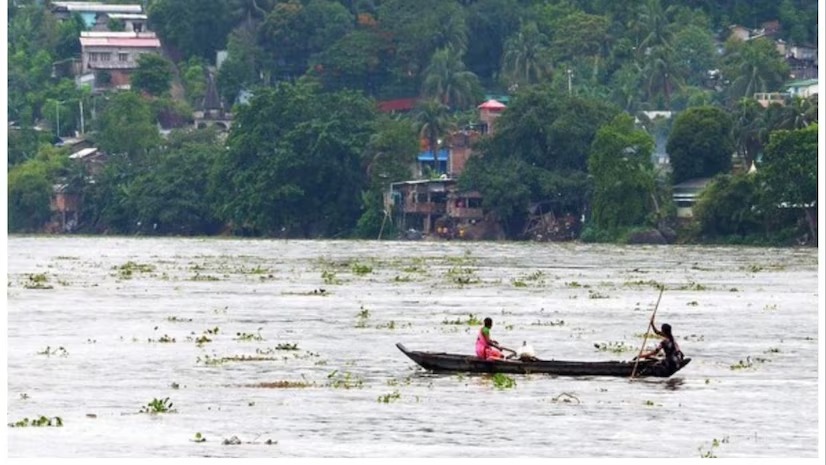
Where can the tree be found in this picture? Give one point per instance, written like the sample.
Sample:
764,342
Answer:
294,162
193,27
30,189
292,32
581,37
127,127
789,172
620,164
749,123
359,60
489,23
240,69
432,123
249,11
154,74
390,157
538,153
753,66
419,28
170,196
700,143
527,58
726,207
447,80
695,52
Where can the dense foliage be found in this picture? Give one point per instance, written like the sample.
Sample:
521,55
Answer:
308,156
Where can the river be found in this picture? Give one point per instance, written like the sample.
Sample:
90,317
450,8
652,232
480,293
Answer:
274,348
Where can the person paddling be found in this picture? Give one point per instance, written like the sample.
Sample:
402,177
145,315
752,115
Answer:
673,354
487,348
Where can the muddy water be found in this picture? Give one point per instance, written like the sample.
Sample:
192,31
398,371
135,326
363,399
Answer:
297,351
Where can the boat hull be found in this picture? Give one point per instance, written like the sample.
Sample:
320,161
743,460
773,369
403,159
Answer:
444,362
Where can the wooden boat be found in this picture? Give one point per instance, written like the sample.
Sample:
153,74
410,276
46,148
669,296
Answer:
444,362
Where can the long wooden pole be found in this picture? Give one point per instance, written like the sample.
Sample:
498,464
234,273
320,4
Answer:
645,338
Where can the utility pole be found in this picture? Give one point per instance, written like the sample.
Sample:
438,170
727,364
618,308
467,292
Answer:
569,80
82,128
57,112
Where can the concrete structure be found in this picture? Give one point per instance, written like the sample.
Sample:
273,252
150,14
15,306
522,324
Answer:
89,11
489,112
685,195
804,88
116,53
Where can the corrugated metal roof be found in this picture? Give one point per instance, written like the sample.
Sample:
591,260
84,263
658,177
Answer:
98,7
84,153
428,155
119,42
127,16
120,34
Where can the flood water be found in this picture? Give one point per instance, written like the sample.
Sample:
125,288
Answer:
297,351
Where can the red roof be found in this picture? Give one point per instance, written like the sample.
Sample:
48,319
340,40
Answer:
402,104
492,105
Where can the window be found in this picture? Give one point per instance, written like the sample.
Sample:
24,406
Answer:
93,56
123,57
105,57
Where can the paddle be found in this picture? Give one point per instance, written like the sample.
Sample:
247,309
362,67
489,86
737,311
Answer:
645,338
509,350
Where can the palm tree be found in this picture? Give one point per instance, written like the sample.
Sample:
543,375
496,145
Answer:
661,74
655,52
432,122
447,80
527,58
749,122
653,26
247,10
452,32
799,113
757,66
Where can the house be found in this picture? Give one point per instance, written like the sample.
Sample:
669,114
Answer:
804,88
685,195
771,28
802,62
92,158
768,98
739,32
132,22
420,204
115,53
90,11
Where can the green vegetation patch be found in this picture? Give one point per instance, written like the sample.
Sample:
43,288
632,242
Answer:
614,347
344,380
37,281
130,268
156,406
472,320
503,381
41,421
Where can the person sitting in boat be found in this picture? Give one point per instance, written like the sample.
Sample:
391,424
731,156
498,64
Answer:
669,347
486,347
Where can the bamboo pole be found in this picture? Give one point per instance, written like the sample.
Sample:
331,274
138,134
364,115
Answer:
645,338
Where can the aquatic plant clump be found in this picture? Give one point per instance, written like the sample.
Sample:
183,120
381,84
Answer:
42,421
503,381
156,406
